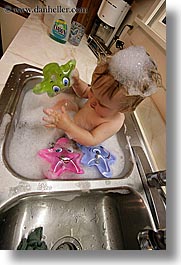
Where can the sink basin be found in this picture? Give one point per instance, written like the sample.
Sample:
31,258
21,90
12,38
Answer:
78,221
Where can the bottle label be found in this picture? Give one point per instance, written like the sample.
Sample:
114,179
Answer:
59,29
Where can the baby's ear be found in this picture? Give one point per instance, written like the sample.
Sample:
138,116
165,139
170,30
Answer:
156,77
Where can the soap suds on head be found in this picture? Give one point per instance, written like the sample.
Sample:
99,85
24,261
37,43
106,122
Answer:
30,136
132,67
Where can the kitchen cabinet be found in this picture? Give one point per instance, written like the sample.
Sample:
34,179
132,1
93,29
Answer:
10,23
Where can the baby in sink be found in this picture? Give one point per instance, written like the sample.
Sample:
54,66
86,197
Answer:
118,85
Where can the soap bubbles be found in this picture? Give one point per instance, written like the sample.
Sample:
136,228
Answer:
135,70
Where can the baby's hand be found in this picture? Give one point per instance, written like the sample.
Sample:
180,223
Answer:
55,119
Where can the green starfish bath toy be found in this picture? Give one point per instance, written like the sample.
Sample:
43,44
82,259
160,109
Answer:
57,78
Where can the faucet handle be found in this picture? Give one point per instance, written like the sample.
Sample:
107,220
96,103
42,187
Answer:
151,240
157,179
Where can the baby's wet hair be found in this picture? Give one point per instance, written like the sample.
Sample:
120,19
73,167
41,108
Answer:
130,74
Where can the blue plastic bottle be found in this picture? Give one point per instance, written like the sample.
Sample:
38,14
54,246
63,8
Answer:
60,30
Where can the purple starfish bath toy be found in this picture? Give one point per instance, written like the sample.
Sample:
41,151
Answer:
61,158
98,156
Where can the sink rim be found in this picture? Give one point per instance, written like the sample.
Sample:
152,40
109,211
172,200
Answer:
122,190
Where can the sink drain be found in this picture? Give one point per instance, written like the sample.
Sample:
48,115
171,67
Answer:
67,243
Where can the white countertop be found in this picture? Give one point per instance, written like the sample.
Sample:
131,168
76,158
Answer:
32,45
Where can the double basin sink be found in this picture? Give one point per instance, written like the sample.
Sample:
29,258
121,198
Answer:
75,214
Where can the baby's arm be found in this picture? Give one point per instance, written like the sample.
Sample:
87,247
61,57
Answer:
78,134
80,87
94,137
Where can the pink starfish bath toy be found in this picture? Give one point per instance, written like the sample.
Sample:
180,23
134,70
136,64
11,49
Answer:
62,158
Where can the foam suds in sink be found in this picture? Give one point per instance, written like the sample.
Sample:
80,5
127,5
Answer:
30,136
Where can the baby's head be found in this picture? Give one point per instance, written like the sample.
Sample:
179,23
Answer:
128,76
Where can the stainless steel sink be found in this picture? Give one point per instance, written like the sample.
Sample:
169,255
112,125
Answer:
76,213
81,221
